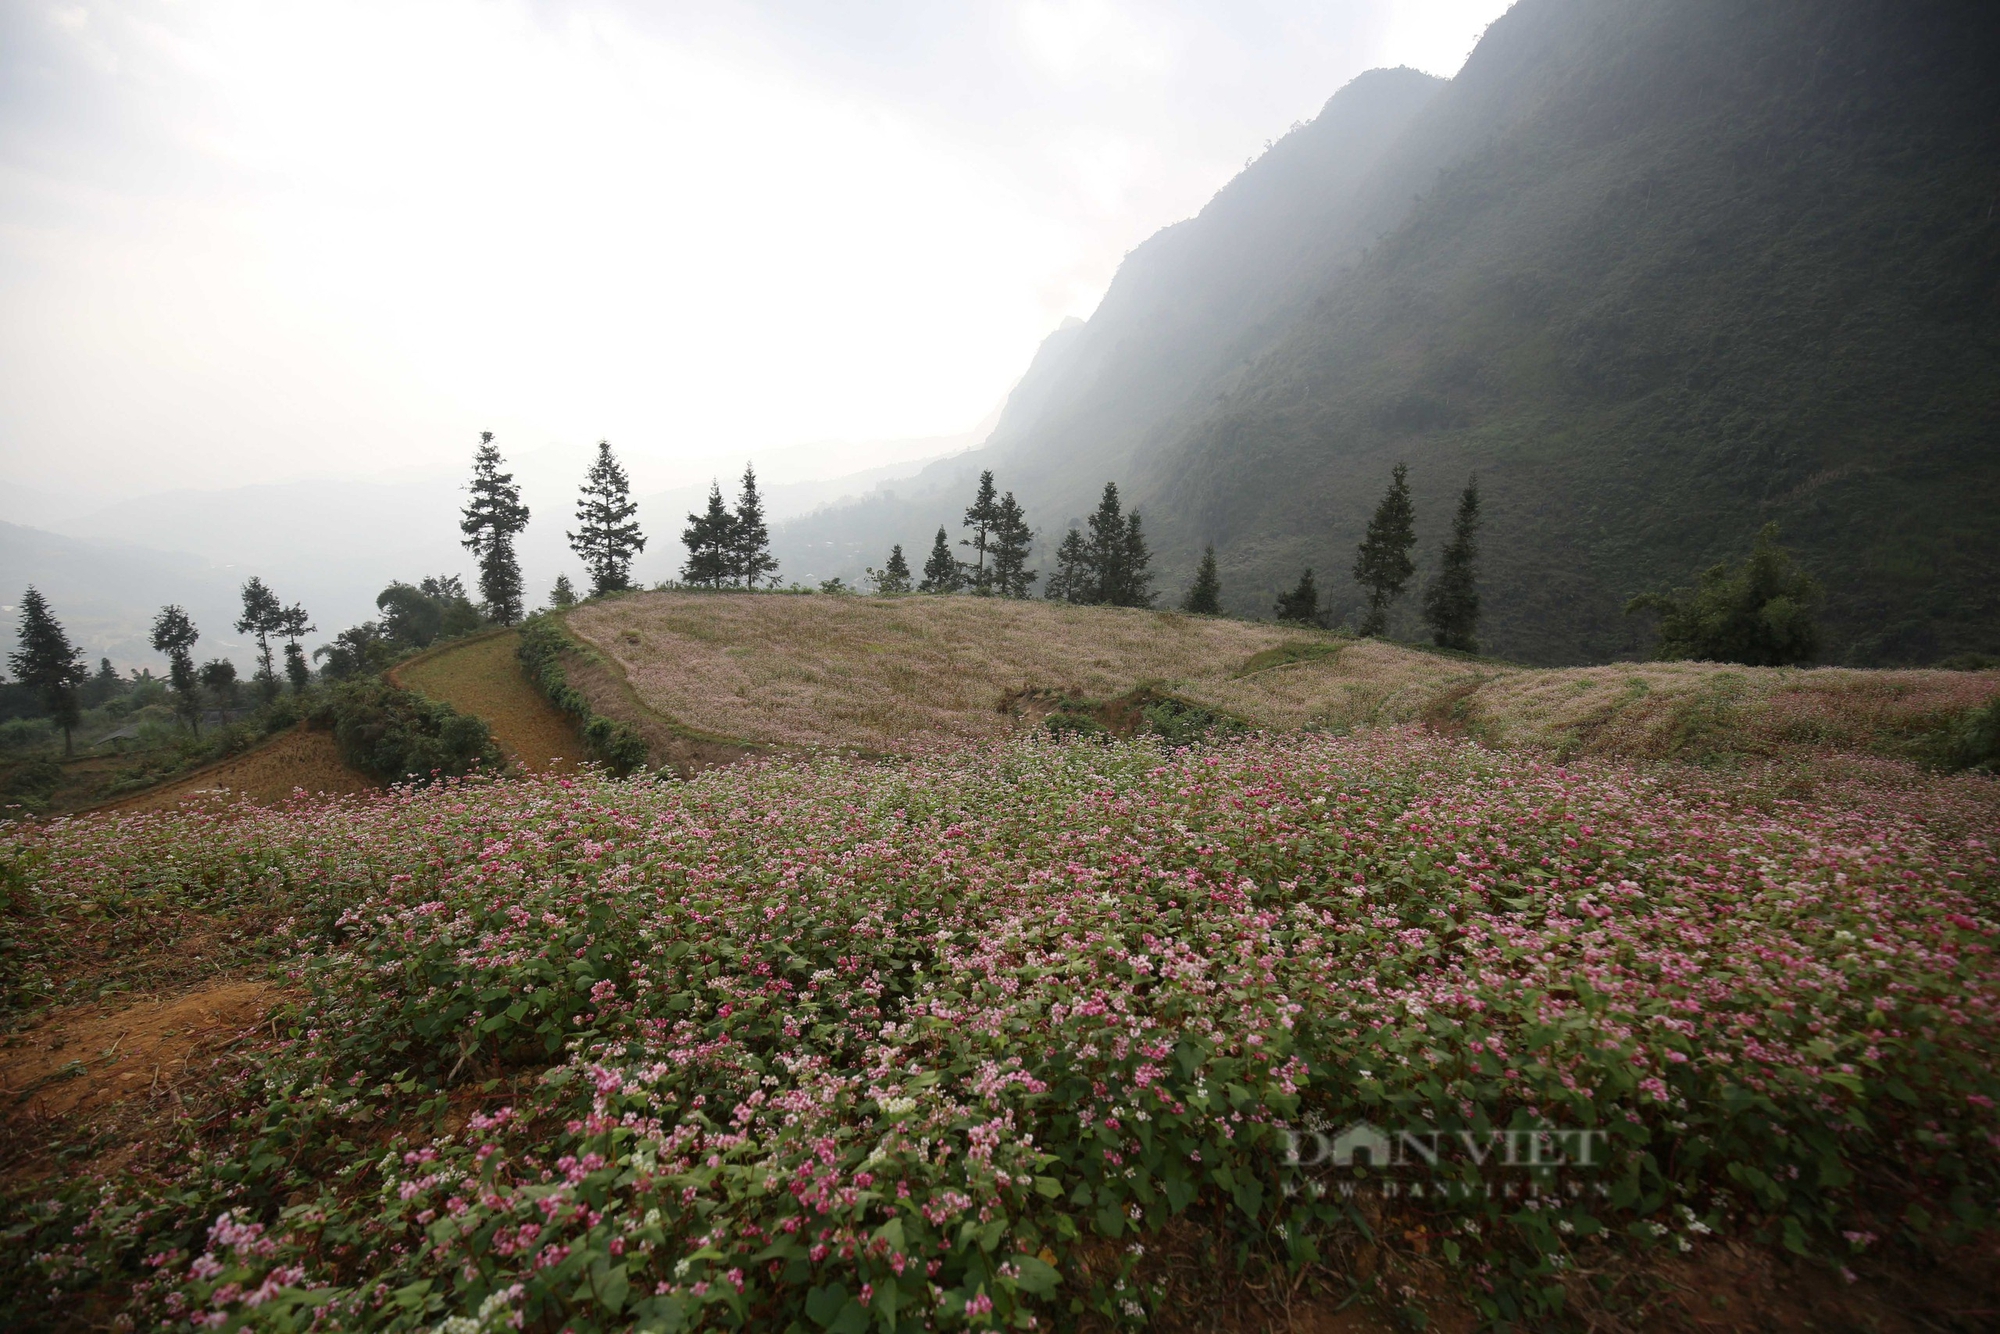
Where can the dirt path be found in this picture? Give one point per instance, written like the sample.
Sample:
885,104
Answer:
86,1058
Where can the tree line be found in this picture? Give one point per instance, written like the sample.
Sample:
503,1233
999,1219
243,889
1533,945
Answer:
1106,562
47,663
1383,569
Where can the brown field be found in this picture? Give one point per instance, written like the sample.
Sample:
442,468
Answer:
1658,710
482,677
298,760
886,674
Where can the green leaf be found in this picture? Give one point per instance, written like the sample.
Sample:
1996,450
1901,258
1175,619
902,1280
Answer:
660,1315
613,1287
824,1304
1037,1275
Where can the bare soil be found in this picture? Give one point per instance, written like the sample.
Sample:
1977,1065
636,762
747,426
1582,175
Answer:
93,1055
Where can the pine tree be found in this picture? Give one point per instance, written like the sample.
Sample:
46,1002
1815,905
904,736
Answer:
1071,581
710,537
941,573
1136,588
492,518
1301,604
607,536
981,517
1010,542
750,545
1451,603
262,617
894,576
563,594
294,623
1382,565
1105,546
1205,597
48,664
103,685
174,635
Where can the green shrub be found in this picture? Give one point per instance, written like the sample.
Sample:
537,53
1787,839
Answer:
1975,742
1073,718
1179,723
398,735
544,641
1760,613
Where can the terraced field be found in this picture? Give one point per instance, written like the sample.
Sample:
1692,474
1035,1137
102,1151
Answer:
297,762
904,674
482,676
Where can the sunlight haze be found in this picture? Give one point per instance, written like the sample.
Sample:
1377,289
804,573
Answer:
245,243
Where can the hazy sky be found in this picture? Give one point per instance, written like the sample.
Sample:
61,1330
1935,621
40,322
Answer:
256,241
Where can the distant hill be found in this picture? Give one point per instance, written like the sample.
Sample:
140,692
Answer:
1658,270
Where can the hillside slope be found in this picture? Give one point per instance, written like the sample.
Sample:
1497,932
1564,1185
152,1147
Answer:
482,675
1658,270
907,675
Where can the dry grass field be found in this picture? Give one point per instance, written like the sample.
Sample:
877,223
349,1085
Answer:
1658,710
483,677
891,674
298,760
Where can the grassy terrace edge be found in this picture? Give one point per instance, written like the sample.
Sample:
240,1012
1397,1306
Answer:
545,642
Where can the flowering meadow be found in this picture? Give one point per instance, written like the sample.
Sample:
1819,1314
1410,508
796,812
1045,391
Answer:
946,1043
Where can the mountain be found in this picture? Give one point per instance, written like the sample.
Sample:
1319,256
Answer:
1659,271
105,594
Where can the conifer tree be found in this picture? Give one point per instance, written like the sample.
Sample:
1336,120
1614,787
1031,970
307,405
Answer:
941,572
607,536
1382,565
1451,603
492,518
1204,598
1302,603
294,623
1136,588
1105,546
103,685
48,664
563,594
710,537
1010,542
750,545
894,576
1071,581
981,516
262,617
174,635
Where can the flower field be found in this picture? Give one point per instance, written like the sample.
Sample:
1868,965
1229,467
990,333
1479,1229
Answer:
950,1043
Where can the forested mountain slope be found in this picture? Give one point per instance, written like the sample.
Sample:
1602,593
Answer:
1659,270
